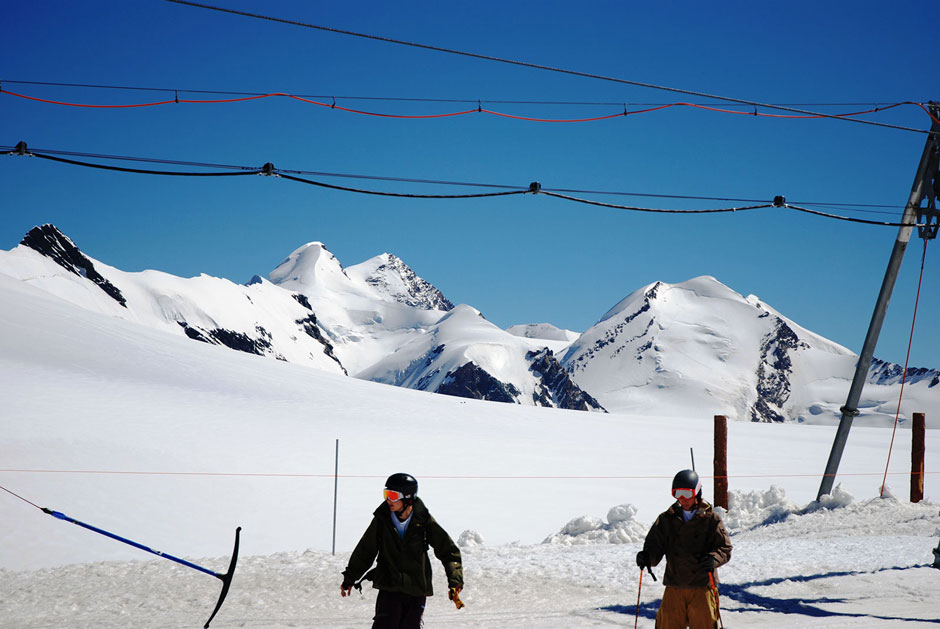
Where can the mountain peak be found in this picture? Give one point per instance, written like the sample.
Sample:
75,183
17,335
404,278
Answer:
52,243
388,275
305,266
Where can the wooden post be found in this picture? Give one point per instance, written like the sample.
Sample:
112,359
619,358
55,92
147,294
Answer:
720,463
917,457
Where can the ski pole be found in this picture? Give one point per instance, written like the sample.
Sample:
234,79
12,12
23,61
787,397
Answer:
638,590
711,579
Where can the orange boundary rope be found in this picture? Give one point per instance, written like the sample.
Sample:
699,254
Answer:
910,342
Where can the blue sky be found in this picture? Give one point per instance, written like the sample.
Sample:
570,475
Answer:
520,259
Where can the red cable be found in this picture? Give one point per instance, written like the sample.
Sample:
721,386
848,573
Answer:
927,111
479,110
55,102
496,113
904,373
372,113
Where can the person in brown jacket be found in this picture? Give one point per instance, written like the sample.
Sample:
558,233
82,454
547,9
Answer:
694,541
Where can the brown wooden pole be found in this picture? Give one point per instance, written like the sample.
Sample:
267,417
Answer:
720,463
917,457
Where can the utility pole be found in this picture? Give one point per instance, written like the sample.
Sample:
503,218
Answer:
926,186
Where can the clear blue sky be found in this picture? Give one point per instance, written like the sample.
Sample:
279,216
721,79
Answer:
520,259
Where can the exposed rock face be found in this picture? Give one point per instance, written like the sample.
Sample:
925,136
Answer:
615,335
555,387
470,381
56,246
311,329
231,339
393,277
882,372
773,373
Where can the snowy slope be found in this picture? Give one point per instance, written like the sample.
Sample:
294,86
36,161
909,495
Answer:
464,354
259,318
661,351
665,345
174,444
366,314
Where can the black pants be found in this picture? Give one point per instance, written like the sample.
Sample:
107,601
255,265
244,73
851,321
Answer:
394,610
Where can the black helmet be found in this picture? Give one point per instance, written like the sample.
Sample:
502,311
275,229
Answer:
687,479
405,483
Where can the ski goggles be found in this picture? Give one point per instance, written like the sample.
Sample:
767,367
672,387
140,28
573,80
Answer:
681,492
394,496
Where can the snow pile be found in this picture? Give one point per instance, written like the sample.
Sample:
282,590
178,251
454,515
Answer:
749,509
621,528
470,539
837,499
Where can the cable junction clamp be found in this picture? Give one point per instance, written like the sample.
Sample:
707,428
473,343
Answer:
268,170
780,201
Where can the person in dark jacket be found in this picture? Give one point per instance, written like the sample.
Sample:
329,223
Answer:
400,534
694,541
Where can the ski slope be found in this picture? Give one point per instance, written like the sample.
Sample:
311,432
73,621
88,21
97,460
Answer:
174,444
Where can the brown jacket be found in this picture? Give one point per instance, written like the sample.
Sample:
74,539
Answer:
685,543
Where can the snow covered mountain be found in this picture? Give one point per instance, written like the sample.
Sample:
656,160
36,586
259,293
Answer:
695,347
463,354
366,320
367,310
665,345
259,318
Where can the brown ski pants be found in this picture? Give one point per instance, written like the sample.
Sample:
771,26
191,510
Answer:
687,607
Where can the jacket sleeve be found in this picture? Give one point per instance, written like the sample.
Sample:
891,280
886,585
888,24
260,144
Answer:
364,554
447,551
720,544
655,544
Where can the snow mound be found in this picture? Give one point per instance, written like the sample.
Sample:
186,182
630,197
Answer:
470,539
749,509
621,528
837,499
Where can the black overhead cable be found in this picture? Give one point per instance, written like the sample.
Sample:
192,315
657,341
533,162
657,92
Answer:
545,67
399,194
846,218
533,188
139,170
646,209
317,173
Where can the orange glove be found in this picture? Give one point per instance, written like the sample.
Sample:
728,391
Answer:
454,595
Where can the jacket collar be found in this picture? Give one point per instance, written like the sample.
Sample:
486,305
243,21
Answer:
702,509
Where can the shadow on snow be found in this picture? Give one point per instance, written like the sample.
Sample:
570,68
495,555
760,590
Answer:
750,602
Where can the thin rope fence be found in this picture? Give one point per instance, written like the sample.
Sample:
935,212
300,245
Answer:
877,473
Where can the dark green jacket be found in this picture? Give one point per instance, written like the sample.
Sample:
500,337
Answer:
685,543
403,564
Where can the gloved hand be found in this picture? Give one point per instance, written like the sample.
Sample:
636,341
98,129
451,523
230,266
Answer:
707,563
454,595
346,589
642,559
